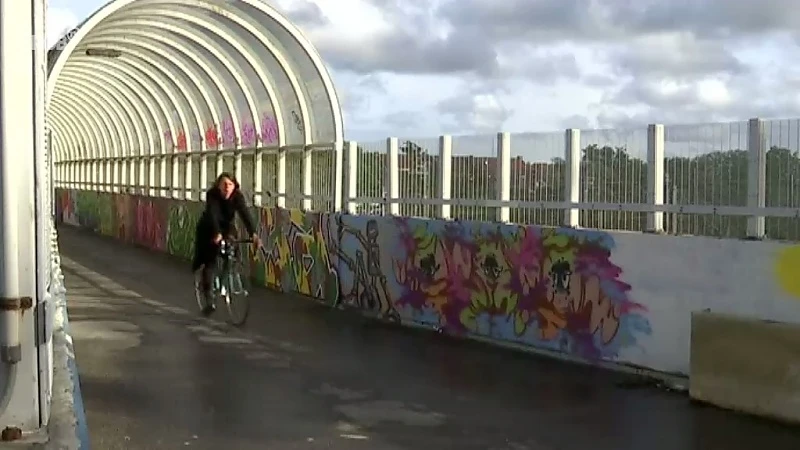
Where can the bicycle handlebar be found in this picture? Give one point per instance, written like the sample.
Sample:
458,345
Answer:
239,241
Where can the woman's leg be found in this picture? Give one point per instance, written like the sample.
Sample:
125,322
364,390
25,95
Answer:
200,238
207,273
203,263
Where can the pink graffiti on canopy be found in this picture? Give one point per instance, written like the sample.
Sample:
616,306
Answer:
181,146
249,135
170,141
228,133
269,129
212,137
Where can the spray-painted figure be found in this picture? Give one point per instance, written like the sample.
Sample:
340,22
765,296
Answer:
491,268
560,273
369,283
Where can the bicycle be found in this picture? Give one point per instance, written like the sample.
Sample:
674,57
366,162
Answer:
230,282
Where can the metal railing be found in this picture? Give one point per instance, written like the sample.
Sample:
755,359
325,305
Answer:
739,179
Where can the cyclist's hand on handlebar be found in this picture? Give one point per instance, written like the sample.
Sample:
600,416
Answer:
217,238
256,240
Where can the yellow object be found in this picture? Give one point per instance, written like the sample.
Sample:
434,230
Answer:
787,270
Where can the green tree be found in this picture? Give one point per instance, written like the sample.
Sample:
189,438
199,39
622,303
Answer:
609,174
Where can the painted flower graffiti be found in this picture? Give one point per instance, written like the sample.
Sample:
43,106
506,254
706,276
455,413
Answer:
553,288
436,274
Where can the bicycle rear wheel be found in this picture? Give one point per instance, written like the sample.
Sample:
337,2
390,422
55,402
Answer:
237,292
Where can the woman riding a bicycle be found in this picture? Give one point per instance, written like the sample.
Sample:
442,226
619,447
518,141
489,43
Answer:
223,201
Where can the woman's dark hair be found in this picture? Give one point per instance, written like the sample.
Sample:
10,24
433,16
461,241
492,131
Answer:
227,175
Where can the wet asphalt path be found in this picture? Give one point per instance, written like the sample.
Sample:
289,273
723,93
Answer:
155,375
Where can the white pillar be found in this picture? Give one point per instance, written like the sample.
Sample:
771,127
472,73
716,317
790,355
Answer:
503,175
258,176
392,176
572,176
351,190
44,204
203,174
187,178
162,175
756,177
308,174
237,164
124,175
141,161
99,173
115,176
93,174
281,181
132,181
20,144
151,158
176,175
87,176
445,186
220,166
102,175
109,173
655,176
338,175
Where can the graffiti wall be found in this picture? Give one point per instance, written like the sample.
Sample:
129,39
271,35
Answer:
295,255
594,295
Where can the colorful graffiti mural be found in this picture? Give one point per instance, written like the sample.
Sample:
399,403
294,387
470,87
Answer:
295,255
550,288
181,223
546,287
364,283
150,229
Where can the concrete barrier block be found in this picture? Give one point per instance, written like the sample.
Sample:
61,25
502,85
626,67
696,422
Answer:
747,365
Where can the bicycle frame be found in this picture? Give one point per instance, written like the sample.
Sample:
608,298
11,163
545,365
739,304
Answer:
225,275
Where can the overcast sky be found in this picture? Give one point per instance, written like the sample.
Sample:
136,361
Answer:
425,67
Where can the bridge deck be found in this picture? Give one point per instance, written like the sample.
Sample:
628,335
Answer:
155,376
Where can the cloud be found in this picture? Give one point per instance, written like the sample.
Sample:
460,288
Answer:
675,53
477,109
635,62
59,22
425,67
618,20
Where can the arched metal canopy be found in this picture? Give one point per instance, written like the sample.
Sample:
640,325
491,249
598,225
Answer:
145,77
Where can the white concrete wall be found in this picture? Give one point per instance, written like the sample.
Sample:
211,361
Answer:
674,276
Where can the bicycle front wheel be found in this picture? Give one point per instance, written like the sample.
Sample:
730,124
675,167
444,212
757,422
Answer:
199,295
237,294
